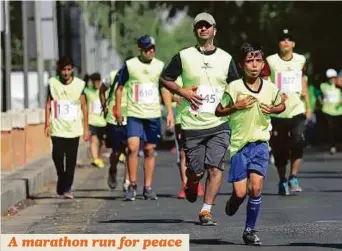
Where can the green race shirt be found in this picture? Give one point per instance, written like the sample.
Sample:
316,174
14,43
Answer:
332,98
143,95
209,74
95,117
66,114
249,125
110,118
287,75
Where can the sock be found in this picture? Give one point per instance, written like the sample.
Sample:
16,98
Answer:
253,207
206,207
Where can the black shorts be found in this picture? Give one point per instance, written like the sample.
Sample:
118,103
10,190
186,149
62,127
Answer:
179,138
207,147
287,140
100,132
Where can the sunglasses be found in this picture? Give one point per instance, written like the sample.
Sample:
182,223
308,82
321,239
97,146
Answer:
201,24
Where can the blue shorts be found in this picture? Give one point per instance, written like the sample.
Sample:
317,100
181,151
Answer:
253,157
146,129
116,136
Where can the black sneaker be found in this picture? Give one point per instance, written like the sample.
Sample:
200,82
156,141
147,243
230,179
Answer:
233,205
111,181
206,219
149,194
131,193
191,189
250,238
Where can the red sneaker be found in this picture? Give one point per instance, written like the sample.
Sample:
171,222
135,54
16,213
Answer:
181,194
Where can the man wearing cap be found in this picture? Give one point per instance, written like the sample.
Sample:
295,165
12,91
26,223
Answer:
332,106
287,70
205,71
141,75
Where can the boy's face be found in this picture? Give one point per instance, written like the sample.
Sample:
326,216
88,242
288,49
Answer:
253,64
66,72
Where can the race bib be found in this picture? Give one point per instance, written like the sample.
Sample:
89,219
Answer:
146,93
65,110
96,107
289,81
332,96
211,98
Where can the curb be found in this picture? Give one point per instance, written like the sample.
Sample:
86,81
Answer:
29,180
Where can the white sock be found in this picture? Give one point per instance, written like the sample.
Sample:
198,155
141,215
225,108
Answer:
206,207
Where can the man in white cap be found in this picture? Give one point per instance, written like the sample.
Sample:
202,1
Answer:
332,106
205,71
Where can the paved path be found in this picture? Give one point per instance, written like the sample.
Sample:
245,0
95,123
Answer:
310,221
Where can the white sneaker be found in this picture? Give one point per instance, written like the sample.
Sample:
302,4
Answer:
333,150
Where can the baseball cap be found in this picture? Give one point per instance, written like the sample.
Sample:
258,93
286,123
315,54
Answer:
285,34
146,41
331,73
204,16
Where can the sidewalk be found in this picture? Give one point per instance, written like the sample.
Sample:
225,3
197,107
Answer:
25,182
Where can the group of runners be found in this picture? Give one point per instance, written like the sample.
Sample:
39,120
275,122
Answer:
219,116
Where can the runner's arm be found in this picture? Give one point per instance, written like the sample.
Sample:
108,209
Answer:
84,108
224,111
233,73
48,108
278,108
171,73
305,93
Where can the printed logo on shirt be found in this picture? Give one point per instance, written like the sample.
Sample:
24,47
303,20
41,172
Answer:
206,66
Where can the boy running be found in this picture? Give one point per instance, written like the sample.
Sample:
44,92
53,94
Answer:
249,101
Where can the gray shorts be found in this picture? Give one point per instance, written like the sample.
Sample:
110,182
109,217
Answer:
207,147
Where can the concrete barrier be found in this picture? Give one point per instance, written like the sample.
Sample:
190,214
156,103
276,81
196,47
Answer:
22,138
7,163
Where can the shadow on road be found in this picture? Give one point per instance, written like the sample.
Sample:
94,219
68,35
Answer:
79,197
312,244
297,244
320,177
211,242
320,172
152,221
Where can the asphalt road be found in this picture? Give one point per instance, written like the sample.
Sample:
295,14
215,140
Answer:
311,220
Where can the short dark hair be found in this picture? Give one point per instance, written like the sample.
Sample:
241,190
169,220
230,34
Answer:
64,61
95,76
248,48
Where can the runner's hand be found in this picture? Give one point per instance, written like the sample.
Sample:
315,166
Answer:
179,101
86,135
266,109
118,116
170,121
190,95
245,103
47,131
283,97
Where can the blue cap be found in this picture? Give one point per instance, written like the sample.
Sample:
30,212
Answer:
146,41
